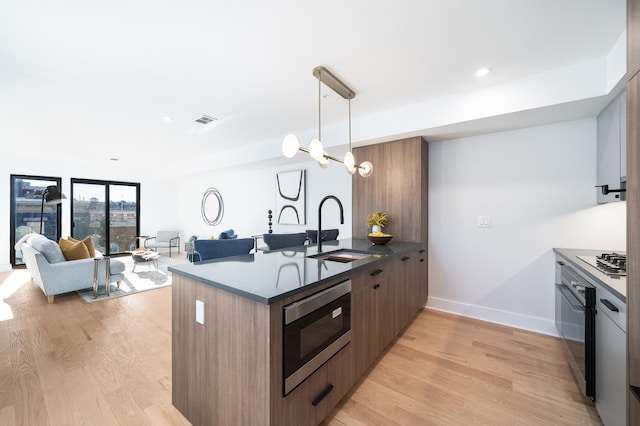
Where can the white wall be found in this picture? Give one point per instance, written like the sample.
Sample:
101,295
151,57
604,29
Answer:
249,194
537,184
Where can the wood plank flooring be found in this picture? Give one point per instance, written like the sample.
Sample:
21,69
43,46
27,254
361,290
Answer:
109,363
450,370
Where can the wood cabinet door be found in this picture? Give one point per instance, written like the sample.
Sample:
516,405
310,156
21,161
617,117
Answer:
398,186
633,233
403,292
633,38
422,283
385,309
411,296
363,323
373,314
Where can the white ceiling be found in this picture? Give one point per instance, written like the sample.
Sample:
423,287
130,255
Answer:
93,80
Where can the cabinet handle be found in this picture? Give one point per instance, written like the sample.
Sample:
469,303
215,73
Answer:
422,251
404,259
322,394
376,272
376,286
610,305
560,263
421,260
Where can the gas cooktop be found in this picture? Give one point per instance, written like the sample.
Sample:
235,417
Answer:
614,264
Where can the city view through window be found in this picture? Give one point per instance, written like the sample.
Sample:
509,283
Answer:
26,207
112,226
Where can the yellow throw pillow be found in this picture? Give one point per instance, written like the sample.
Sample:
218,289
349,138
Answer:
88,242
74,250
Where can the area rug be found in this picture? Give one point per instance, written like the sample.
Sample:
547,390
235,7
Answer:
145,277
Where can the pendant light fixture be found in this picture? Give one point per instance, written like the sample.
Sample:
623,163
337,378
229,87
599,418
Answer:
291,144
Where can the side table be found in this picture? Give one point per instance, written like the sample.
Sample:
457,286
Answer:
107,281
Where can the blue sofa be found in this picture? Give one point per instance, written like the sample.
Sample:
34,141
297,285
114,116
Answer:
214,249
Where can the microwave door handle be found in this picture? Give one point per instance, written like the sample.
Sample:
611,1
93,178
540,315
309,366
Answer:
579,309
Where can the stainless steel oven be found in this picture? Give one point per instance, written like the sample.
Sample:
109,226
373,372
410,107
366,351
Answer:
315,329
575,321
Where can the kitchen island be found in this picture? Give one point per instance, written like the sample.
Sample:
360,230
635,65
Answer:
227,351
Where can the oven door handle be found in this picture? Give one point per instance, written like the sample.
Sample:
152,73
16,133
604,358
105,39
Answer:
562,288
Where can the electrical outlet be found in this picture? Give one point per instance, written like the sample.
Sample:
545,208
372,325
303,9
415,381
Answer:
200,311
484,221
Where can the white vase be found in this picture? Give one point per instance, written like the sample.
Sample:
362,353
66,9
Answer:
375,229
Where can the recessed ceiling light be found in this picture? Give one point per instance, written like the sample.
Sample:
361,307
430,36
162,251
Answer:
167,119
482,72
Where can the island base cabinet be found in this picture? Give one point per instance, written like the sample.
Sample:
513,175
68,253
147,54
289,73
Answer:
211,383
325,388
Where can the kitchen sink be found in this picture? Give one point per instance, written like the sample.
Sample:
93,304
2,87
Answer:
342,255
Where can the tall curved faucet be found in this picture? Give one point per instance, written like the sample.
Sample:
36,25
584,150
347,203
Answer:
320,217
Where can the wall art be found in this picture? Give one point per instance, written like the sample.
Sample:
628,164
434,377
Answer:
212,207
291,198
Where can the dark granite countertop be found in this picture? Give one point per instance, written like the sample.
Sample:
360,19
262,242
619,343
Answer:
617,285
273,275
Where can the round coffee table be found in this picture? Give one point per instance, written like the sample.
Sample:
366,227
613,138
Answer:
148,257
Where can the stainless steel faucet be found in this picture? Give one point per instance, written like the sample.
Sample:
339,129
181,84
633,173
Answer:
320,217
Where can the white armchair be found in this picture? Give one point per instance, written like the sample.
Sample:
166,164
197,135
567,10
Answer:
164,239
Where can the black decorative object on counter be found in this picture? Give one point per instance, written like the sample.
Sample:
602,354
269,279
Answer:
270,216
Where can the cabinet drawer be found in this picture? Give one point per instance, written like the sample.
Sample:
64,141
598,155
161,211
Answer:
310,402
368,276
607,303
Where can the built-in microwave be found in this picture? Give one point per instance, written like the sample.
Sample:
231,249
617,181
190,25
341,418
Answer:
315,329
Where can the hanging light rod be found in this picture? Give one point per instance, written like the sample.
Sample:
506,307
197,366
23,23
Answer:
291,144
333,82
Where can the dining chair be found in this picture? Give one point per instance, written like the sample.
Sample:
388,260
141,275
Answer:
278,241
327,235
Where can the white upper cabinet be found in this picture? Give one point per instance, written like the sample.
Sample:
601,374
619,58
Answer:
611,149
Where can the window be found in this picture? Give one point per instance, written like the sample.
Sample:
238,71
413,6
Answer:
113,224
29,212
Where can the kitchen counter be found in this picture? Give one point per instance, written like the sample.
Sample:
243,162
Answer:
617,285
270,276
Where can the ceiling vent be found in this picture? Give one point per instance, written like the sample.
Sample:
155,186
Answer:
205,119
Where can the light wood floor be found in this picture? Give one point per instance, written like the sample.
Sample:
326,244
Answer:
109,363
451,370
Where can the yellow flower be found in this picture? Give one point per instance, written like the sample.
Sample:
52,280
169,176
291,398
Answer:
377,218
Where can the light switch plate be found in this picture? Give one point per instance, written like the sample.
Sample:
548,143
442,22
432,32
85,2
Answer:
484,221
200,311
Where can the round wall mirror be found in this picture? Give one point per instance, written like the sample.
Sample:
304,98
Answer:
212,207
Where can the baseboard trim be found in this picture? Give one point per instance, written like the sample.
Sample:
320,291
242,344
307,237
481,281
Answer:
5,267
511,319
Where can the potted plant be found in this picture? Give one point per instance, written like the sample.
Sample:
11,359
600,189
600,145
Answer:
192,240
376,221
